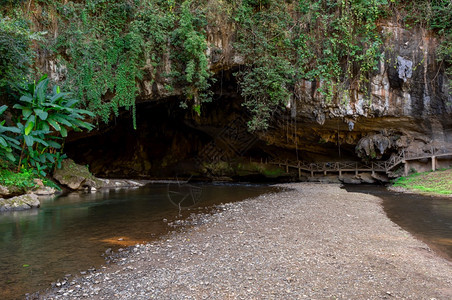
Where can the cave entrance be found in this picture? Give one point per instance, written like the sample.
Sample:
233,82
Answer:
173,142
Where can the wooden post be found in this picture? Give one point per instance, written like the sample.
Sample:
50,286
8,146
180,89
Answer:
299,170
287,166
312,173
373,169
406,169
356,169
433,163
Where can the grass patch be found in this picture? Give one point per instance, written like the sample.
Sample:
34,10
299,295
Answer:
438,182
269,171
23,180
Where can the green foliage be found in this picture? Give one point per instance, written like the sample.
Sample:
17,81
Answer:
334,44
106,44
264,42
46,117
7,142
338,44
197,109
24,179
190,45
110,46
438,182
105,53
15,49
435,15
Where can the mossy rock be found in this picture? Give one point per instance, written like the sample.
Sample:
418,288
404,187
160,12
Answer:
11,191
23,202
76,176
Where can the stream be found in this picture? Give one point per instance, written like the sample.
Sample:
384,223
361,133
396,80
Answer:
69,233
429,218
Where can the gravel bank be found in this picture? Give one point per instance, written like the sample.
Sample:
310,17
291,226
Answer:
313,242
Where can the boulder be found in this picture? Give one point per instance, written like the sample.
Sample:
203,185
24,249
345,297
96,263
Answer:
365,178
44,191
381,177
76,176
349,179
4,191
11,191
23,202
122,183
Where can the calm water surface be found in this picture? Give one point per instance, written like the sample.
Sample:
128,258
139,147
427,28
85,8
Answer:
69,233
429,218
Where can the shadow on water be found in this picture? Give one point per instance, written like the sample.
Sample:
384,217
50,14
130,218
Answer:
70,233
426,217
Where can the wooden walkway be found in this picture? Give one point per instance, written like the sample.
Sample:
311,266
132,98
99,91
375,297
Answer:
403,157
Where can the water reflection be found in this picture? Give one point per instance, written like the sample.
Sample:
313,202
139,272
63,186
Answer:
69,233
427,217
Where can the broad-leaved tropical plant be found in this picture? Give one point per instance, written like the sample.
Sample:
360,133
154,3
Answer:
46,118
7,142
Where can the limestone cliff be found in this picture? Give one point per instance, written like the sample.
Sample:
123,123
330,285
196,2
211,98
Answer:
405,104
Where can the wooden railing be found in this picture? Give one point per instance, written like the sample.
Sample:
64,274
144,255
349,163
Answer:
377,166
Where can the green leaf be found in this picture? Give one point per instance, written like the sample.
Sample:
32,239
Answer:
29,127
56,97
57,89
10,156
54,124
41,90
86,112
41,141
25,266
3,142
40,132
43,77
26,112
50,157
29,140
54,144
3,108
41,114
26,98
13,141
71,103
83,124
45,126
8,128
63,120
63,132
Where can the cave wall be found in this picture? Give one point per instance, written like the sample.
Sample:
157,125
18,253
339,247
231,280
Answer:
405,105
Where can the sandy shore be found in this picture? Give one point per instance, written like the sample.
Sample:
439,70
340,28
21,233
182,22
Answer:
312,242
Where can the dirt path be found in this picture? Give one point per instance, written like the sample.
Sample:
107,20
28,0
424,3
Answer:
313,242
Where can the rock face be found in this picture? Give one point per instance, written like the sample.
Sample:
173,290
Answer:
78,177
407,104
75,176
19,202
4,191
11,191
